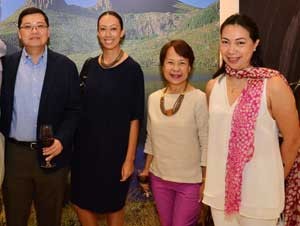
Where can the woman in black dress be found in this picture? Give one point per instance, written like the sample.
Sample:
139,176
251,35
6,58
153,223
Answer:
112,108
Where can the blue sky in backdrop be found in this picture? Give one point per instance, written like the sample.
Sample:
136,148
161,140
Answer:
9,6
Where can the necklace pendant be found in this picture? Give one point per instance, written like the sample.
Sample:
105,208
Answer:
169,112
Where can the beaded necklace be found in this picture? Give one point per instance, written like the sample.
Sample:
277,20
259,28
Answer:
176,106
116,60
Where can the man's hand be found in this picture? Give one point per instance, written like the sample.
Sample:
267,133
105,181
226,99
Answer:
52,151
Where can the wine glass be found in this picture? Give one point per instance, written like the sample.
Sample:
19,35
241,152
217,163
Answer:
46,140
144,183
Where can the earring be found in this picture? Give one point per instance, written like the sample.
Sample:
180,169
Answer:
254,50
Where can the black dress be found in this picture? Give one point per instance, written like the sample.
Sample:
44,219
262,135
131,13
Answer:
112,99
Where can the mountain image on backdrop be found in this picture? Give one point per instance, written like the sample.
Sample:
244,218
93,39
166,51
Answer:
148,25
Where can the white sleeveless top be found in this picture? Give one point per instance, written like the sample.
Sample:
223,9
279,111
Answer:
263,177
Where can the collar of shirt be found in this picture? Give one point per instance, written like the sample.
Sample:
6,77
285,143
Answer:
26,58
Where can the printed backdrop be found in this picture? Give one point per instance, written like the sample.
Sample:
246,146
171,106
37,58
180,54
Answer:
148,25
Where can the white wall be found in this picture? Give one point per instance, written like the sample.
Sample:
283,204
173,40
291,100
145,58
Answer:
227,8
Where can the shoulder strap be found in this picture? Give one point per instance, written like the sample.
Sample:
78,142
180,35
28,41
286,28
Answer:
84,73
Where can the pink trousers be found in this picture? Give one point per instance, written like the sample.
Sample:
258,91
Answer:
177,203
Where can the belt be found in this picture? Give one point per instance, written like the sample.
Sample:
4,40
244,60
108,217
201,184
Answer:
30,144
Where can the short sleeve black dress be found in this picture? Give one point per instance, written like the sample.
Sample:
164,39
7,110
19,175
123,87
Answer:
112,98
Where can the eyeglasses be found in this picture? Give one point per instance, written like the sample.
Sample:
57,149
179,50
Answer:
30,27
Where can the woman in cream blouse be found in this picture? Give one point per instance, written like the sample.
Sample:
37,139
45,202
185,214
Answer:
176,139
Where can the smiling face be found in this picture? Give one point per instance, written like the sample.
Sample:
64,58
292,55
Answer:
237,47
34,31
175,69
110,32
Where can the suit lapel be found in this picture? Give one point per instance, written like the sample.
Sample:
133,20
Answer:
13,73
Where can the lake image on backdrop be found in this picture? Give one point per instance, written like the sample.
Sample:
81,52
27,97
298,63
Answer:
148,25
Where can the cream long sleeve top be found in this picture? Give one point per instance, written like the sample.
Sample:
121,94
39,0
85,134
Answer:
178,143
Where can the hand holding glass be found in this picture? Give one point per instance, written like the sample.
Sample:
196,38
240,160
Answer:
144,184
46,140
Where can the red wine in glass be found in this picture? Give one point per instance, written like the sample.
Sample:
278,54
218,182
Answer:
46,140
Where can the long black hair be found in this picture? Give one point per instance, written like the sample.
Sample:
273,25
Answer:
247,23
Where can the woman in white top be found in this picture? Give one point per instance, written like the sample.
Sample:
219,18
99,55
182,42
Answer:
248,105
176,139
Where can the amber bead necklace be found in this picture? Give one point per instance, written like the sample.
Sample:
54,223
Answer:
177,104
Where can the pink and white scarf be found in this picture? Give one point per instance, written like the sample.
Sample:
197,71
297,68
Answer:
241,142
292,195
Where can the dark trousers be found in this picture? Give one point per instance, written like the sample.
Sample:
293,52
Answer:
26,183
